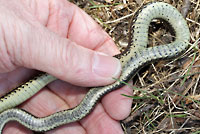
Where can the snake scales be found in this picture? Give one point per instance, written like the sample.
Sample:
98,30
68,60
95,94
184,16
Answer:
132,59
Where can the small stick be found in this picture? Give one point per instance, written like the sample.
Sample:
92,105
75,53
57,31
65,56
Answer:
185,8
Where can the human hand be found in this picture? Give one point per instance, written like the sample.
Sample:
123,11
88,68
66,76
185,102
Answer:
47,36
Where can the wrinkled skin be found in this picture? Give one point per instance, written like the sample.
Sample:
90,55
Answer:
47,35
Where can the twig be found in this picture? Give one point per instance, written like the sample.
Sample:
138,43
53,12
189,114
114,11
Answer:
185,8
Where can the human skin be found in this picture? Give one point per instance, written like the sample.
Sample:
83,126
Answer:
57,37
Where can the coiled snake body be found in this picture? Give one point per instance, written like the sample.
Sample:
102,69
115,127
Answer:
134,57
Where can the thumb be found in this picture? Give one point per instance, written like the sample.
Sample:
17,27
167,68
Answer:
43,50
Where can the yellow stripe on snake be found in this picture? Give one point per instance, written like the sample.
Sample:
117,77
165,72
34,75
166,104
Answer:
132,59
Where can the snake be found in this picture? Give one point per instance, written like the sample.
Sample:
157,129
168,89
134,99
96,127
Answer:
133,58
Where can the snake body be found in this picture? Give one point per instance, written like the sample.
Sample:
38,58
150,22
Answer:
132,59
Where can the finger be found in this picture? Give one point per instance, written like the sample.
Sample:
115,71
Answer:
71,94
86,32
44,103
67,20
48,52
68,129
43,50
70,62
15,127
117,105
99,122
108,48
11,80
40,107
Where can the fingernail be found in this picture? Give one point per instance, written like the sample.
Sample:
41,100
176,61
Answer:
106,66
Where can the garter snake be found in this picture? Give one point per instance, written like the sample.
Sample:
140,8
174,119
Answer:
132,59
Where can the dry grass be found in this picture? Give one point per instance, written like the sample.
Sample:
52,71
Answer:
166,95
